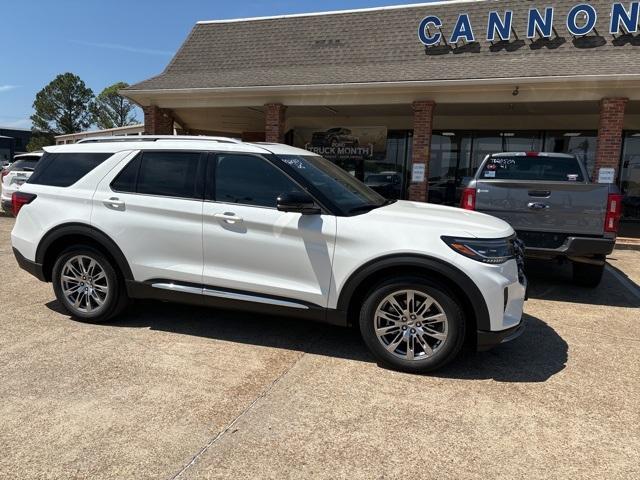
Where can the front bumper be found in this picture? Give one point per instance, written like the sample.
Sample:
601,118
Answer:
33,268
488,340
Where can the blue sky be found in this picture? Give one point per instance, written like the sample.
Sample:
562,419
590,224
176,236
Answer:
109,41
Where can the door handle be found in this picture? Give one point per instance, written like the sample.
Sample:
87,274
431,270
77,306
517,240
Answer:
538,206
114,203
231,218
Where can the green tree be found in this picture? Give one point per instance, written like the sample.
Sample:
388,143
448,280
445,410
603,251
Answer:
112,110
64,106
39,140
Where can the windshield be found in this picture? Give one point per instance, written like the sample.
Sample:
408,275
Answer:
348,193
545,168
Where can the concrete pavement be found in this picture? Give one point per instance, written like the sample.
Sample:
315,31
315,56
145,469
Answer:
175,392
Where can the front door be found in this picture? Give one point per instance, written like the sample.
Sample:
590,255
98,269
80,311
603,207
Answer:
252,248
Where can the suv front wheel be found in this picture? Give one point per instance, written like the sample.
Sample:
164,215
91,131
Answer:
87,285
412,325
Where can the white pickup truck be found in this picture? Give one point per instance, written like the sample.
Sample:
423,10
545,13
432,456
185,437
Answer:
554,207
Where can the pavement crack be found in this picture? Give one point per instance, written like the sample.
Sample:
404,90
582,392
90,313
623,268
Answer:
232,424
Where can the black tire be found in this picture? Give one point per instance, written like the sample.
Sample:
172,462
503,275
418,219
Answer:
587,274
442,354
115,300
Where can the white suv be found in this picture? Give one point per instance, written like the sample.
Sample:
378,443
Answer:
268,228
14,175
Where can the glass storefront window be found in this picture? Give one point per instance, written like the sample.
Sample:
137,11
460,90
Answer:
389,177
630,176
581,144
448,166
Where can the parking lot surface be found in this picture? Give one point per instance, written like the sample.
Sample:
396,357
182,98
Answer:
169,391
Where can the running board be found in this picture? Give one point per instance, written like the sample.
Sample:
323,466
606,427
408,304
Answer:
228,295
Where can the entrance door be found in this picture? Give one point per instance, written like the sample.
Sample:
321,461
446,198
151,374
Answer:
630,177
251,247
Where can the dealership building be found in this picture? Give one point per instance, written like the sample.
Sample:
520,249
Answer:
413,97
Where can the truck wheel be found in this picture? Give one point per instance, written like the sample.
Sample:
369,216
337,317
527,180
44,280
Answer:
412,325
587,274
87,285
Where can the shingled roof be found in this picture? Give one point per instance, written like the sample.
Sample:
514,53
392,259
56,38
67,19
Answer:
379,45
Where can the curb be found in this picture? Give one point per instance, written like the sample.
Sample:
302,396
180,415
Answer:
628,244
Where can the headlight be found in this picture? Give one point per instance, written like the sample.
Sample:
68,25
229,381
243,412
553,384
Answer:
485,251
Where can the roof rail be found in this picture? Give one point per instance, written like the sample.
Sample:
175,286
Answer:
157,138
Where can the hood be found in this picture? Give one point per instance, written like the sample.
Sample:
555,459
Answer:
450,221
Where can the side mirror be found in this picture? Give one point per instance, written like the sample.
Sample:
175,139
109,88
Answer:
298,202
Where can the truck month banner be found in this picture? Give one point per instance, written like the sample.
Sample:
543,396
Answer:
343,143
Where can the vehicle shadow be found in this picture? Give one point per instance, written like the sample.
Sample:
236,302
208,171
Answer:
551,281
534,357
538,354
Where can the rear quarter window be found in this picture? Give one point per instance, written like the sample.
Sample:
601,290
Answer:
551,169
65,169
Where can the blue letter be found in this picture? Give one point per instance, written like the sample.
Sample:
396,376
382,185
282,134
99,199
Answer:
462,30
592,17
503,27
536,22
619,14
422,31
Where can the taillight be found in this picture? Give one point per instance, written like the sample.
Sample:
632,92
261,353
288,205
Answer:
614,212
468,201
20,199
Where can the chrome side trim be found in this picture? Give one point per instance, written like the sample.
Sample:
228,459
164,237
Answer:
252,298
177,288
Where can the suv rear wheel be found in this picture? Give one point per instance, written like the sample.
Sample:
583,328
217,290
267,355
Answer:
412,325
87,285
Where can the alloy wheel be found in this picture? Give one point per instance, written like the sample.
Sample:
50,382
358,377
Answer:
84,284
411,325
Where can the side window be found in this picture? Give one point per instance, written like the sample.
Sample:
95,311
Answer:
127,179
169,174
249,180
65,169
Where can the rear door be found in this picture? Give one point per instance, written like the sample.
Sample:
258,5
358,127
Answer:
152,209
541,193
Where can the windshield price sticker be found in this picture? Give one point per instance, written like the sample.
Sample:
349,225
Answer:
490,174
572,177
501,162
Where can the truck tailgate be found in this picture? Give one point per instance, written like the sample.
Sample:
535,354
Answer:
563,207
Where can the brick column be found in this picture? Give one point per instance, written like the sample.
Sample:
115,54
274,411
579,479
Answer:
274,122
157,121
610,134
421,153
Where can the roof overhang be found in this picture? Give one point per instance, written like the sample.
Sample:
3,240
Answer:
556,88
